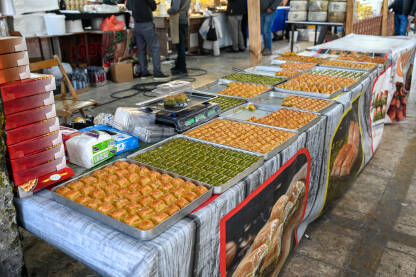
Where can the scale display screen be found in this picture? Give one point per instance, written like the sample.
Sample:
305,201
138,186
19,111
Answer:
189,122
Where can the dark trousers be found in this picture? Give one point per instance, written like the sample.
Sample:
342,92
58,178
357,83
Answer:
146,37
180,63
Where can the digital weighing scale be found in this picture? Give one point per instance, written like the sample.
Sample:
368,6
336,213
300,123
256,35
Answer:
197,111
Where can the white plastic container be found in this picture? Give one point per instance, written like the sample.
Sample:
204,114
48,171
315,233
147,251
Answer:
317,16
298,6
297,16
74,26
336,16
318,6
55,24
337,6
29,24
96,23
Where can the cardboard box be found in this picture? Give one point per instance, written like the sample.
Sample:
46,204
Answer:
34,145
22,177
12,44
32,131
36,84
28,117
14,74
34,160
28,103
122,72
47,180
14,59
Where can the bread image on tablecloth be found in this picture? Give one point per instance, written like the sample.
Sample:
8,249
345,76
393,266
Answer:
272,243
349,152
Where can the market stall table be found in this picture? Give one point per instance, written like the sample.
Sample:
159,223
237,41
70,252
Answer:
194,245
293,24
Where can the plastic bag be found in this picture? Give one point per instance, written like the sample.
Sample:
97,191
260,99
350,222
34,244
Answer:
112,24
90,148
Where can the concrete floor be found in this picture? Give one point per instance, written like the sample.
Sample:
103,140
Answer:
370,231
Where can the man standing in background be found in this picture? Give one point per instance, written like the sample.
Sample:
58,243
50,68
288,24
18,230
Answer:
268,13
403,9
181,8
235,11
146,36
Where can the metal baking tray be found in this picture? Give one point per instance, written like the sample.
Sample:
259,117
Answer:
277,98
357,82
216,189
125,228
266,156
194,98
279,62
226,81
313,94
268,71
265,110
356,69
214,88
226,96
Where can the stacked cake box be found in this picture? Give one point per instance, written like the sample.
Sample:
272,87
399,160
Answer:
35,149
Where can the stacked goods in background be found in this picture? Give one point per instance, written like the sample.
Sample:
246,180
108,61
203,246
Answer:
337,11
35,151
298,11
318,10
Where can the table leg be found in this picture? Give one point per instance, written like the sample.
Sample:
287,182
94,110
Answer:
40,48
316,30
292,36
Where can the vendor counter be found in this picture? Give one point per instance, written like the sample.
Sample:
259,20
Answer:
193,39
197,244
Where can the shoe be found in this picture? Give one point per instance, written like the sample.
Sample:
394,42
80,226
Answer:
267,52
231,50
178,72
160,76
145,76
242,50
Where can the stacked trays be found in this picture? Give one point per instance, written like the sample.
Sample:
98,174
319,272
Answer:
242,135
219,166
138,200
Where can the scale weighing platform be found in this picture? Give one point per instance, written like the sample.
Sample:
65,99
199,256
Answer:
197,111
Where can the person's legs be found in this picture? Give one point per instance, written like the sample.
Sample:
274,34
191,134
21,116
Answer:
180,48
233,21
244,26
152,40
141,47
322,33
263,26
241,43
396,24
267,30
404,22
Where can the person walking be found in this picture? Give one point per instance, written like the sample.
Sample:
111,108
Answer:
403,9
146,36
179,8
268,13
235,11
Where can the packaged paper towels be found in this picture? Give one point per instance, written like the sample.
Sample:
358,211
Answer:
90,148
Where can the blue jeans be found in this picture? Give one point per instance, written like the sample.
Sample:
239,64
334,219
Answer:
146,37
400,24
266,28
